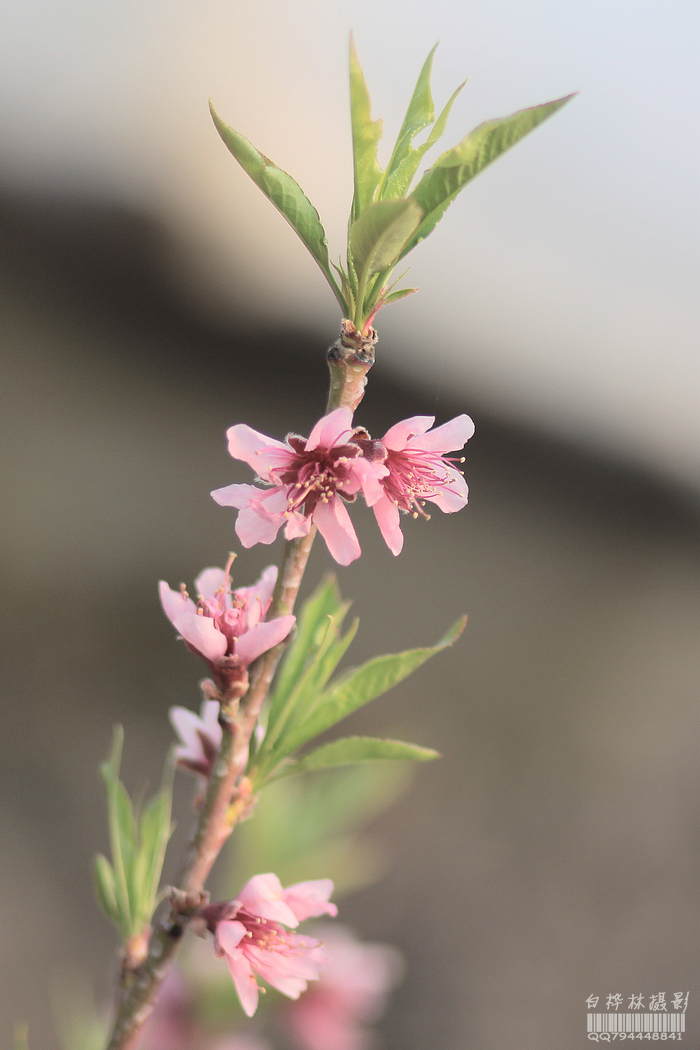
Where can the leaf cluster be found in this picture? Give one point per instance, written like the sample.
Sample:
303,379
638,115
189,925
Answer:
127,889
387,218
307,701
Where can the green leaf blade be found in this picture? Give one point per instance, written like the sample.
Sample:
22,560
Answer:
419,115
352,749
366,134
285,193
377,238
324,602
356,688
403,176
458,166
105,887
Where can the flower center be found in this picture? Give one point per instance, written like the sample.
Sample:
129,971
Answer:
415,476
316,476
264,934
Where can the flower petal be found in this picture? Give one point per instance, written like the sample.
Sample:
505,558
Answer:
307,899
202,635
398,436
250,446
447,438
209,582
334,429
174,602
229,934
370,475
244,980
262,895
262,637
186,723
453,494
234,495
258,596
387,514
333,522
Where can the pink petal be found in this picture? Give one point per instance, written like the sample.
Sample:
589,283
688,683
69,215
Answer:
387,514
333,522
298,524
334,429
235,495
244,980
173,602
209,713
209,582
447,438
263,637
370,475
202,635
453,495
308,899
398,436
258,596
229,934
186,723
262,895
250,446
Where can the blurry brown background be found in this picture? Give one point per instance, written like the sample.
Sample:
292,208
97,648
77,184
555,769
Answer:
553,853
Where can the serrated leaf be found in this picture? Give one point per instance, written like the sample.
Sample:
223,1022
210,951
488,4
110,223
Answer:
360,685
105,887
419,115
394,297
351,749
303,696
285,193
324,602
402,177
366,134
458,166
378,236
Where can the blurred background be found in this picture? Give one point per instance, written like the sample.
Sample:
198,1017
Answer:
151,297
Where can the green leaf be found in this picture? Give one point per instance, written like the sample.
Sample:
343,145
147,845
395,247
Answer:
419,115
366,134
324,602
286,195
402,178
105,887
401,294
357,687
330,651
352,749
458,166
121,828
378,236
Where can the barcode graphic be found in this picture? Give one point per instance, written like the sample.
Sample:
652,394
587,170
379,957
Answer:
636,1022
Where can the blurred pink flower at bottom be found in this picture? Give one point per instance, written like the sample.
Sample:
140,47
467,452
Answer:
351,994
240,1042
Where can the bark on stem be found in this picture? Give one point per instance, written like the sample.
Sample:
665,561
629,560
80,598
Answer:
349,360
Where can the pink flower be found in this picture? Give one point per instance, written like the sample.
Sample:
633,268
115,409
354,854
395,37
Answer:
171,1025
417,470
306,480
200,737
249,933
351,993
225,628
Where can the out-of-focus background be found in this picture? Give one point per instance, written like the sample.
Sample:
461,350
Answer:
151,297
